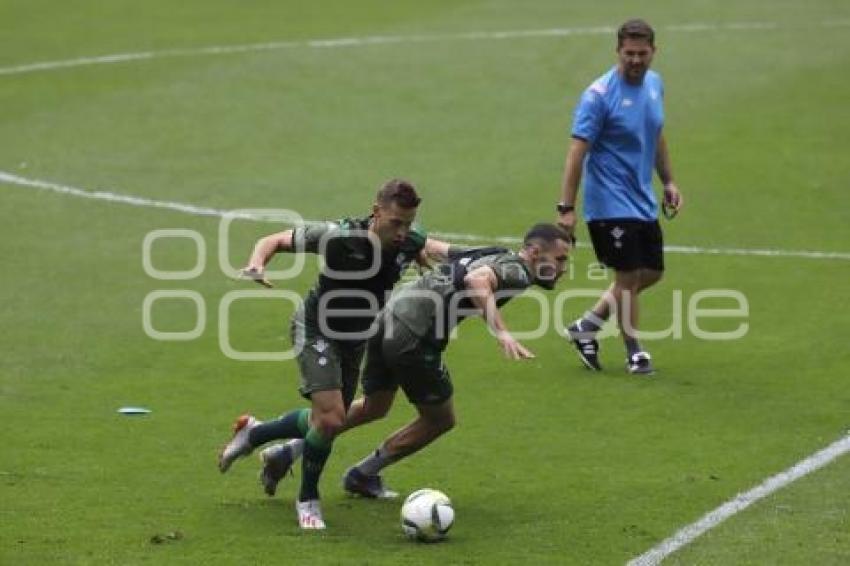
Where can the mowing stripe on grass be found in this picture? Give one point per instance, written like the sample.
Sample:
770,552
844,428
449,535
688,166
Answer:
109,196
396,39
741,501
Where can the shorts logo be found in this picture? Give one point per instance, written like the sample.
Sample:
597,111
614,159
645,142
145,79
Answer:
617,232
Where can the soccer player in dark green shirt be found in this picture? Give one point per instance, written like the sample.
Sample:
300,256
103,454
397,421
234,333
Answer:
364,258
414,330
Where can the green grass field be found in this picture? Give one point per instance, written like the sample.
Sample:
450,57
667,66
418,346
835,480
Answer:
548,464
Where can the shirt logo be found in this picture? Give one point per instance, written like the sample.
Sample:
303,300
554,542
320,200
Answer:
653,94
627,102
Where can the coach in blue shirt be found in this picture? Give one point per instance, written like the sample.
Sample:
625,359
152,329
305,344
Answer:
617,141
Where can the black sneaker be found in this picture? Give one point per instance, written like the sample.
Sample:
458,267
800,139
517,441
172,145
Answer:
356,482
277,462
640,364
586,346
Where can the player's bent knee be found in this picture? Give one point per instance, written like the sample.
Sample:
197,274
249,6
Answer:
449,423
628,280
381,412
377,407
444,422
375,413
330,424
649,277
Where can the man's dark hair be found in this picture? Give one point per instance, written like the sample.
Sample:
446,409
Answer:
399,191
546,235
635,29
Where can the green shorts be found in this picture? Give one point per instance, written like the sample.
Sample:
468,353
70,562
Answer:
396,357
325,364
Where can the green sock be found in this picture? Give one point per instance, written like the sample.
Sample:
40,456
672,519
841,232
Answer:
316,451
293,424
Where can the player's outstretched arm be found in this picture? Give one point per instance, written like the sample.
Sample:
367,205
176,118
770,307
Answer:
264,250
482,284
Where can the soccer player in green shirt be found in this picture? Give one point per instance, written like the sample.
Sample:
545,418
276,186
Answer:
413,332
364,258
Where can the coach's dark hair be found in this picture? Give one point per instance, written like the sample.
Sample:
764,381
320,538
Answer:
635,29
546,234
399,191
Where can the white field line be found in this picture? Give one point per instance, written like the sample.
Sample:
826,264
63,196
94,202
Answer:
109,196
741,501
344,42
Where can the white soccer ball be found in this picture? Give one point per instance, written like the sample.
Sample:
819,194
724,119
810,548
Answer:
427,515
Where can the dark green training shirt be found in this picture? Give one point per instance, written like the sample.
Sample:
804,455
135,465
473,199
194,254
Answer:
347,250
425,306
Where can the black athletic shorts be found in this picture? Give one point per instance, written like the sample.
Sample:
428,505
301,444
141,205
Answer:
398,358
626,244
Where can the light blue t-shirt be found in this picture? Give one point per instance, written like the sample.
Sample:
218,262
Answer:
621,123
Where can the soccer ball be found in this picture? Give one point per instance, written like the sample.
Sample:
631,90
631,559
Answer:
427,515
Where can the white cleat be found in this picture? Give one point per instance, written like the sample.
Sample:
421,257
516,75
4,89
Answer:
310,514
239,445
